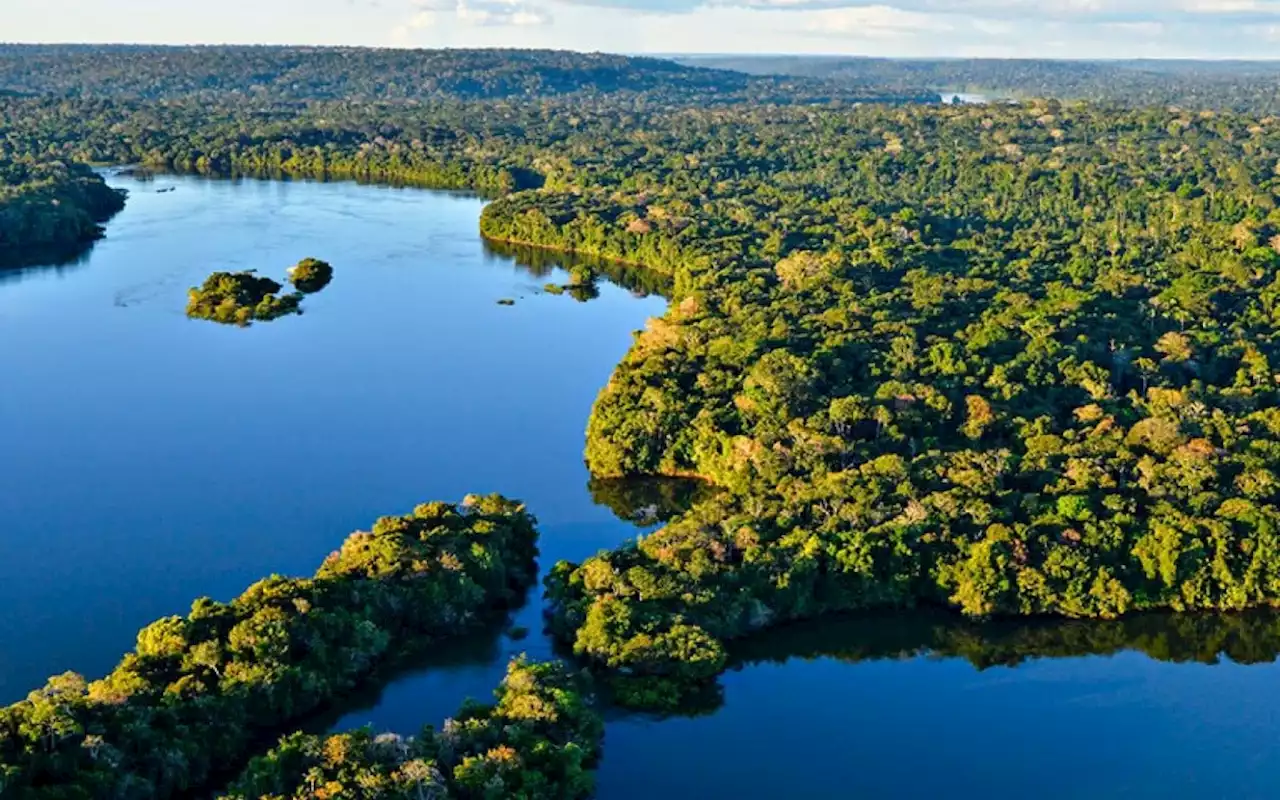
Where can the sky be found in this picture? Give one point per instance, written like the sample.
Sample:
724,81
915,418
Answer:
909,28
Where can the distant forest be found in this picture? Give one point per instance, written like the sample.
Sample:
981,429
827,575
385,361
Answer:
1217,85
297,74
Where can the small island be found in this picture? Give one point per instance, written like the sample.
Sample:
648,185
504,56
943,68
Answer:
240,298
310,275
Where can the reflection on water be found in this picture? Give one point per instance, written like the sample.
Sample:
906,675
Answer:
931,705
473,651
542,263
15,264
1246,638
645,502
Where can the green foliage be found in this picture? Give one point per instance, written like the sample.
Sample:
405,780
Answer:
1025,373
539,741
50,208
300,74
310,275
1013,359
200,692
239,298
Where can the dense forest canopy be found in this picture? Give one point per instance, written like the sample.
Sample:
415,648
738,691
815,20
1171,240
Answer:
310,275
299,74
1027,372
240,298
1221,85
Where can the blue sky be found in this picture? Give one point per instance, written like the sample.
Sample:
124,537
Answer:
1016,28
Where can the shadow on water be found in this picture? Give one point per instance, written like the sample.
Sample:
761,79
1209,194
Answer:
540,263
645,502
642,503
476,649
1246,638
149,173
17,263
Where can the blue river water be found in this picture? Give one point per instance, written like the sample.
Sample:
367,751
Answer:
147,459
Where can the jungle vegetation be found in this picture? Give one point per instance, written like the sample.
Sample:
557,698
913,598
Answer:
50,205
299,74
310,275
1029,372
239,298
538,741
1015,359
199,693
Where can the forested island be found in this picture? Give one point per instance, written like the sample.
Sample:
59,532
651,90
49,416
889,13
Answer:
310,275
239,298
1008,360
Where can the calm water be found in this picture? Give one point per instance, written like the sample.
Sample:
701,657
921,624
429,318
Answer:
146,459
149,459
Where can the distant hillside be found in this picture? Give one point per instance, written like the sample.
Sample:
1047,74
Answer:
283,74
1226,85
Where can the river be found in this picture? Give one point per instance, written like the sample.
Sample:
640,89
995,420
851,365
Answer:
148,459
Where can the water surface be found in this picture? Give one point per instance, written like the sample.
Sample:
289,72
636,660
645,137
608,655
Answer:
932,706
148,459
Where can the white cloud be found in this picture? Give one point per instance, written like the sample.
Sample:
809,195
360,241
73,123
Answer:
923,28
429,14
1101,10
1149,29
917,28
873,22
502,12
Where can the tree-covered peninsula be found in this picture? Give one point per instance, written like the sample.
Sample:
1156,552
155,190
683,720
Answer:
1030,372
199,693
51,207
538,741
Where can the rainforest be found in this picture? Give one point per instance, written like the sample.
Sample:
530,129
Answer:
990,361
